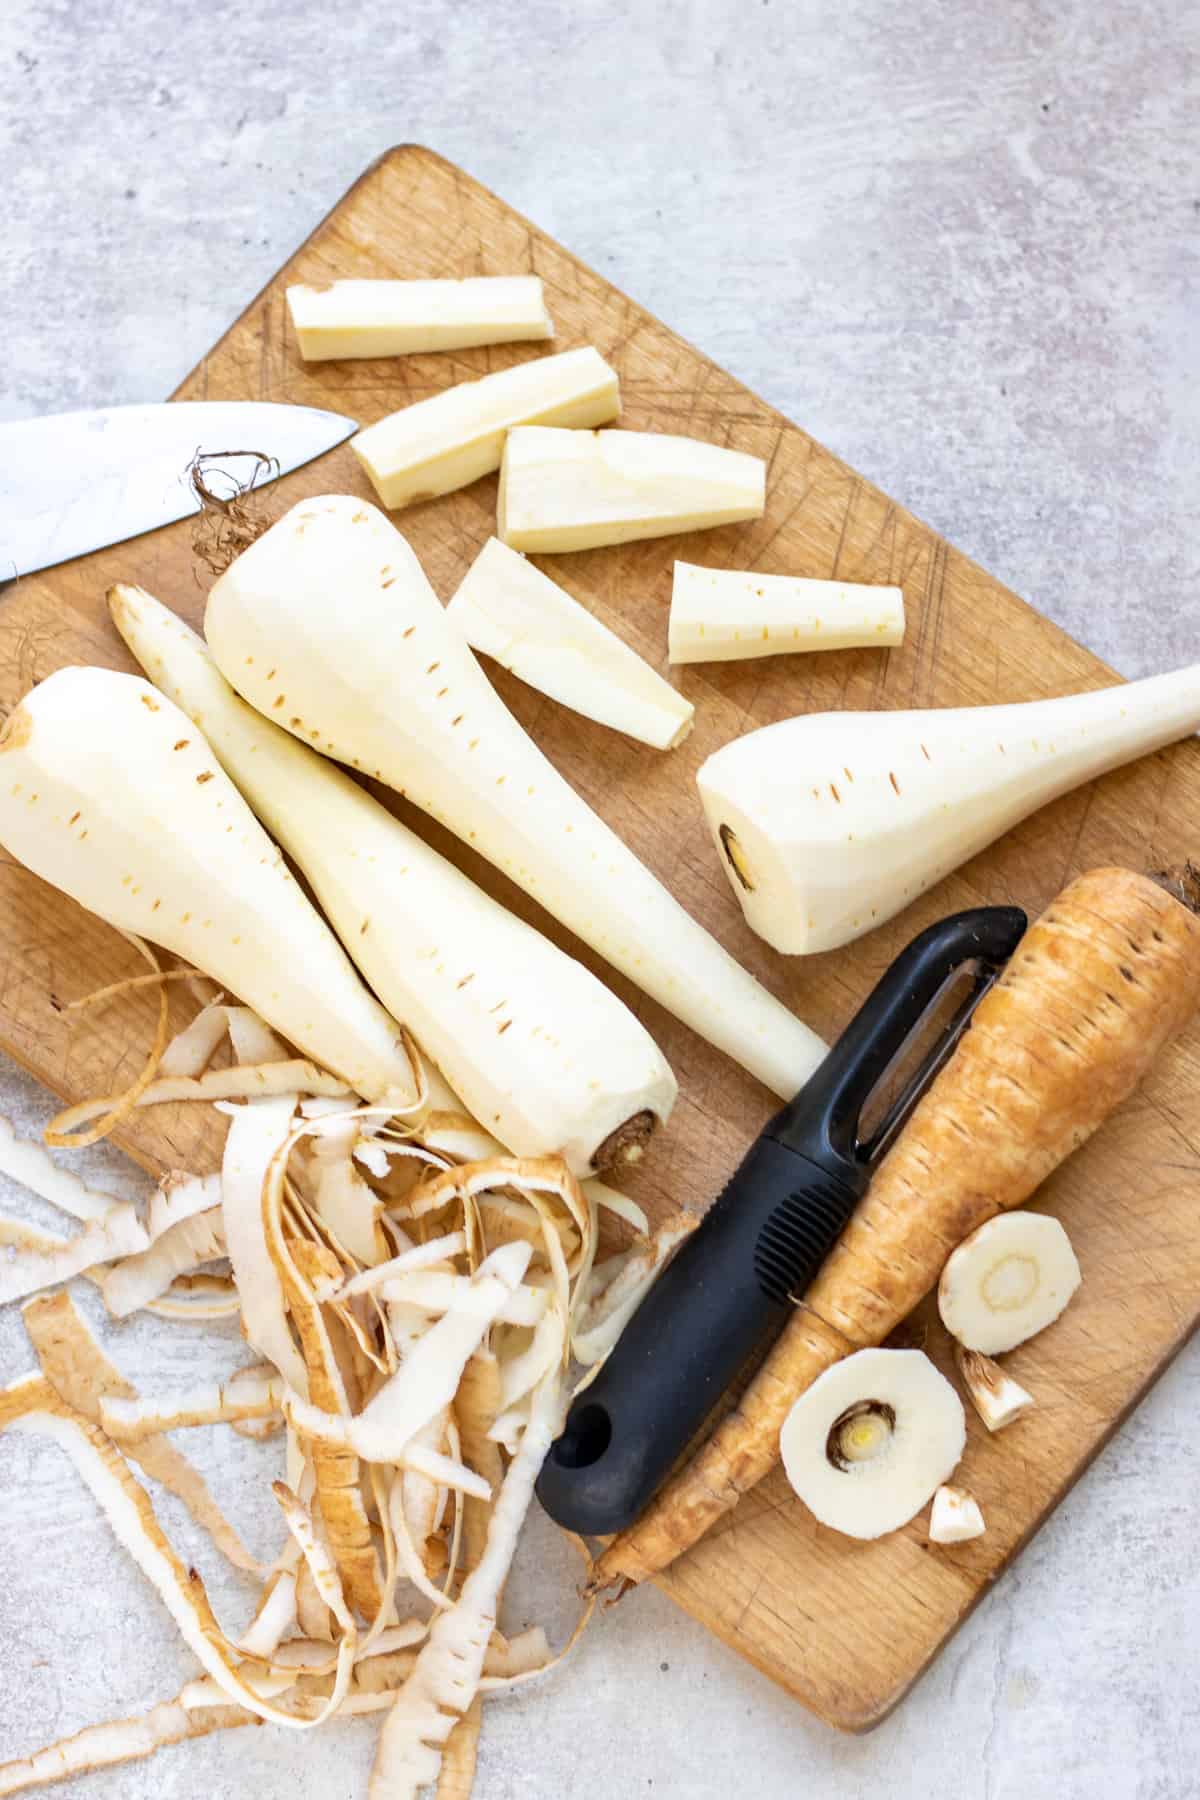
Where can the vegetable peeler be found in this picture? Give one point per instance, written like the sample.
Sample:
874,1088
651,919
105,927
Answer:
726,1295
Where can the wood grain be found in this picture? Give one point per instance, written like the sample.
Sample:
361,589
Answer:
845,1627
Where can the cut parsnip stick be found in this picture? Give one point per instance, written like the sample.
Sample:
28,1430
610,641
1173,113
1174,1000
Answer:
399,318
391,688
456,436
182,860
828,824
723,615
538,1048
563,490
507,609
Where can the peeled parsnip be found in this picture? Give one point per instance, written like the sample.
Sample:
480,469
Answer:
398,318
110,793
507,609
328,625
538,1049
562,490
829,824
722,615
458,435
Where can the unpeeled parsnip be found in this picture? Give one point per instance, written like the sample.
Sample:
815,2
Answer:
1095,989
111,794
537,1047
328,626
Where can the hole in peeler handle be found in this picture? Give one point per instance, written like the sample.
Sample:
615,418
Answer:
586,1436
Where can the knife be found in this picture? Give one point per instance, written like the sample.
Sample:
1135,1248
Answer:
727,1294
78,481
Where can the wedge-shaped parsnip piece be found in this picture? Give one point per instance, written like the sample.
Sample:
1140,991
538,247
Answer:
955,1517
397,318
1007,1281
829,824
381,680
110,793
723,615
456,436
564,490
997,1398
537,1047
507,609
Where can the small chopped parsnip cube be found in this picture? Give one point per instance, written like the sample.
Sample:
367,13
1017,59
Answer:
569,490
398,318
509,610
456,436
721,615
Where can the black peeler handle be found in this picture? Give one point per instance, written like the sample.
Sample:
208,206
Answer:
726,1295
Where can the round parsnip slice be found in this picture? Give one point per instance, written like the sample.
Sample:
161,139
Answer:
1007,1281
868,1444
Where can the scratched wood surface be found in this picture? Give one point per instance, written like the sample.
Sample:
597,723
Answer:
845,1627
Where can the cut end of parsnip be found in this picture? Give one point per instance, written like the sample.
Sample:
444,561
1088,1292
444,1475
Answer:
724,615
400,318
507,609
955,1517
866,1446
996,1397
456,436
1007,1281
574,491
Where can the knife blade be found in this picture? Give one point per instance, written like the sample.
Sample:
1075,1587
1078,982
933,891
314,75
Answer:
75,482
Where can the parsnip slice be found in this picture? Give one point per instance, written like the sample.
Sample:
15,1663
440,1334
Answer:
508,610
398,318
458,435
574,491
866,1446
723,615
1008,1280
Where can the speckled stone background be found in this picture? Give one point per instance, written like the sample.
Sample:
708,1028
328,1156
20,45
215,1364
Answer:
960,243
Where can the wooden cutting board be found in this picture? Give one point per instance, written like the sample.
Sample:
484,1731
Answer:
846,1627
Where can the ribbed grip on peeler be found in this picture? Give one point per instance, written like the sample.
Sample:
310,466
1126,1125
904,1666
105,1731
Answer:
798,1236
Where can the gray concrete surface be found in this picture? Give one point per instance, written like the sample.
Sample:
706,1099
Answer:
960,242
